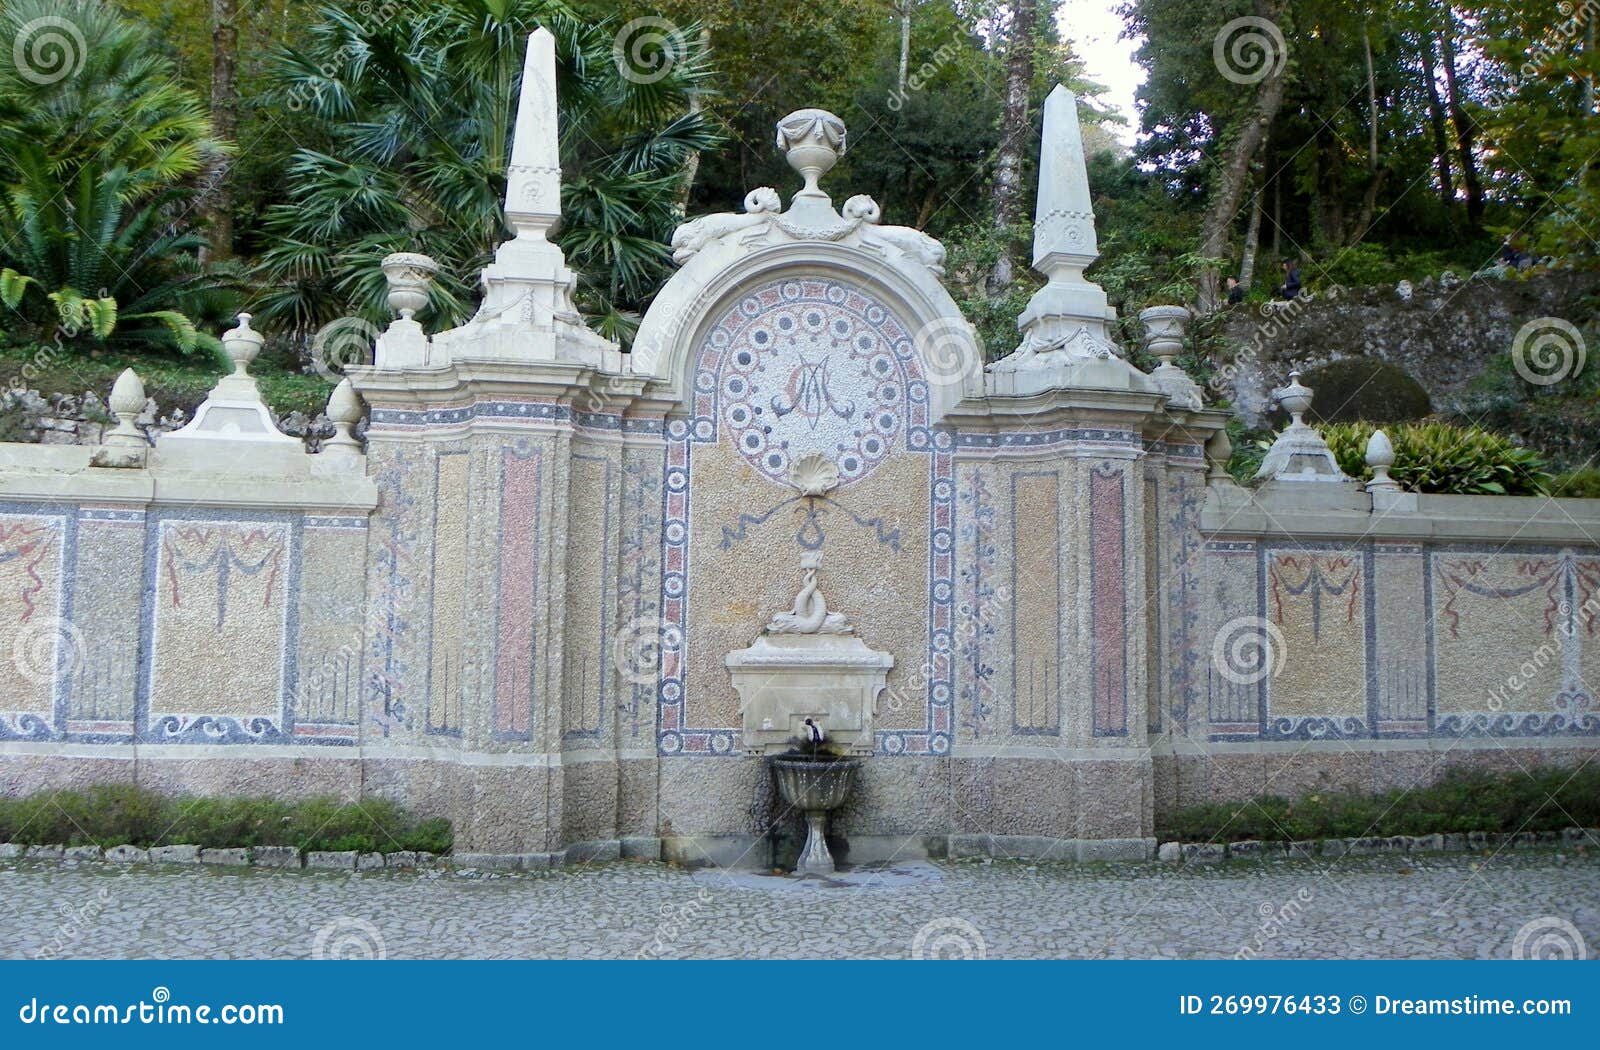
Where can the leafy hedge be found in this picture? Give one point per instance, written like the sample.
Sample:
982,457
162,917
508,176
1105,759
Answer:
1437,457
113,814
1546,799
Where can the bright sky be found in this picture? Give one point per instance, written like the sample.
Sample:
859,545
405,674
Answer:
1094,26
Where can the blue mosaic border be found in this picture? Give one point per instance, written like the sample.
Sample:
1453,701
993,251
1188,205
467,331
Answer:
501,411
701,426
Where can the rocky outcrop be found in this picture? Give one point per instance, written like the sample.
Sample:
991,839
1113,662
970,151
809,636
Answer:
60,419
1442,333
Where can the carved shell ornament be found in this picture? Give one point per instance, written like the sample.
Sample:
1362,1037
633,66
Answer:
814,475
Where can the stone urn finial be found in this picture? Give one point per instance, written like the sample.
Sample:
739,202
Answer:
813,140
409,274
242,343
1295,399
1163,330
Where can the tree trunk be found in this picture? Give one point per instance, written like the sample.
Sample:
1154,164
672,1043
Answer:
1441,140
1014,127
1372,103
224,113
904,9
1252,237
1277,212
1463,123
1235,176
691,167
1375,174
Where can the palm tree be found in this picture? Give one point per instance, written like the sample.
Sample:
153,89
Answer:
99,143
419,108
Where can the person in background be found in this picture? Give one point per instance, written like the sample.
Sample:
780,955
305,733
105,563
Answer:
1235,291
1291,280
1513,257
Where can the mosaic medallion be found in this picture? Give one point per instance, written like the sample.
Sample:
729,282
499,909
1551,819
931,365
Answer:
806,367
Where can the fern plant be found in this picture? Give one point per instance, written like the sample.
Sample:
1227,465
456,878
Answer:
88,262
97,235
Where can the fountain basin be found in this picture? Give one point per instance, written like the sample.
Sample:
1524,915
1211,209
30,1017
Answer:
815,785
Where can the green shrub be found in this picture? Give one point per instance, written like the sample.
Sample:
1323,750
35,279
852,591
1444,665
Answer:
1438,457
113,814
1545,799
1583,483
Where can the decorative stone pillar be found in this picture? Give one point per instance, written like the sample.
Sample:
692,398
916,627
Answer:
344,409
1380,457
234,413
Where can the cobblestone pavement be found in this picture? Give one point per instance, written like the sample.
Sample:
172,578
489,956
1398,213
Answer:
1430,906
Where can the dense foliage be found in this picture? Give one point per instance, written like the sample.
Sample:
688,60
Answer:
307,138
96,239
416,110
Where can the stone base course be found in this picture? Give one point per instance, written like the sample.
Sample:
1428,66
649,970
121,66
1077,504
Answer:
1250,849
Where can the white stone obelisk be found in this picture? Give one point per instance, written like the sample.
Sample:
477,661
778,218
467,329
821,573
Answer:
533,179
1065,340
527,312
1064,241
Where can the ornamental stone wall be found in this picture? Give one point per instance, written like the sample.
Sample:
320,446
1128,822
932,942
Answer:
512,607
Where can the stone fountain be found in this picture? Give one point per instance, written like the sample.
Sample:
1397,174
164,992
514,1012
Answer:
808,689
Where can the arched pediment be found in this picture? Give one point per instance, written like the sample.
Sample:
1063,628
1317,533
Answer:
725,256
692,302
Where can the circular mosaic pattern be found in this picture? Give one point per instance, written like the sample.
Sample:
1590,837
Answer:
813,366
